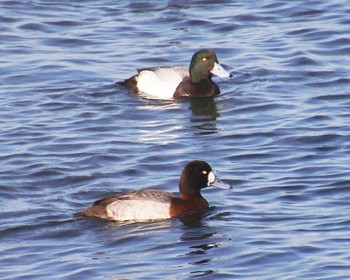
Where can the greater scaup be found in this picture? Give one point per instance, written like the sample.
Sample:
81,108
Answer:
150,204
173,82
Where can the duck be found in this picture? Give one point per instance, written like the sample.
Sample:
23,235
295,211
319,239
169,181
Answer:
152,204
168,82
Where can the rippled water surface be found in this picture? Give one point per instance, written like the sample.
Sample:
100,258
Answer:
279,133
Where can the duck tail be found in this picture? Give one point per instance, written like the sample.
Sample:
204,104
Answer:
129,83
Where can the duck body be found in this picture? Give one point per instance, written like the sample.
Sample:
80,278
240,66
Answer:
176,81
158,82
151,204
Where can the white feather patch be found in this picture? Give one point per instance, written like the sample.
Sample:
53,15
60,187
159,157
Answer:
161,82
138,210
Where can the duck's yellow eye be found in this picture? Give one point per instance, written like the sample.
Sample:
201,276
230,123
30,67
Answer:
204,172
204,59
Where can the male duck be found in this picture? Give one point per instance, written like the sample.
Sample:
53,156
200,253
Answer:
172,82
152,204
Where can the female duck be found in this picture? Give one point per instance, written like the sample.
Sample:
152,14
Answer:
151,204
172,82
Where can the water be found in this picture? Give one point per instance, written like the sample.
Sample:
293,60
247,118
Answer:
278,133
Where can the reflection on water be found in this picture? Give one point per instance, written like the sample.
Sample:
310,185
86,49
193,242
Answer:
204,115
162,120
192,243
205,107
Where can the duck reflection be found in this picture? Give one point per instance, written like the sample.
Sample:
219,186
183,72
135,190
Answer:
193,220
204,115
202,242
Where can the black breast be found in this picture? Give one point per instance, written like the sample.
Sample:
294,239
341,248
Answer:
205,88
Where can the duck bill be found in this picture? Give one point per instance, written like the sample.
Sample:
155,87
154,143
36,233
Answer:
219,71
216,182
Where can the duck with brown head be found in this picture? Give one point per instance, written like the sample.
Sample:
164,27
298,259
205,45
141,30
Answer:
150,204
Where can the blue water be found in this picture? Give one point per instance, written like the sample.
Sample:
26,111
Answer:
279,133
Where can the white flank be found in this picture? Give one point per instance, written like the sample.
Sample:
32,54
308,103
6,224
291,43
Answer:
161,82
138,210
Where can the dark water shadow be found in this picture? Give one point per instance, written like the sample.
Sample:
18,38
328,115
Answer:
204,115
199,238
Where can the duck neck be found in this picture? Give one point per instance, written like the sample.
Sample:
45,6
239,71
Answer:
186,190
197,74
198,79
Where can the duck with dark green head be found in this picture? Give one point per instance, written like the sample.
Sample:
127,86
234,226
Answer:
176,81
